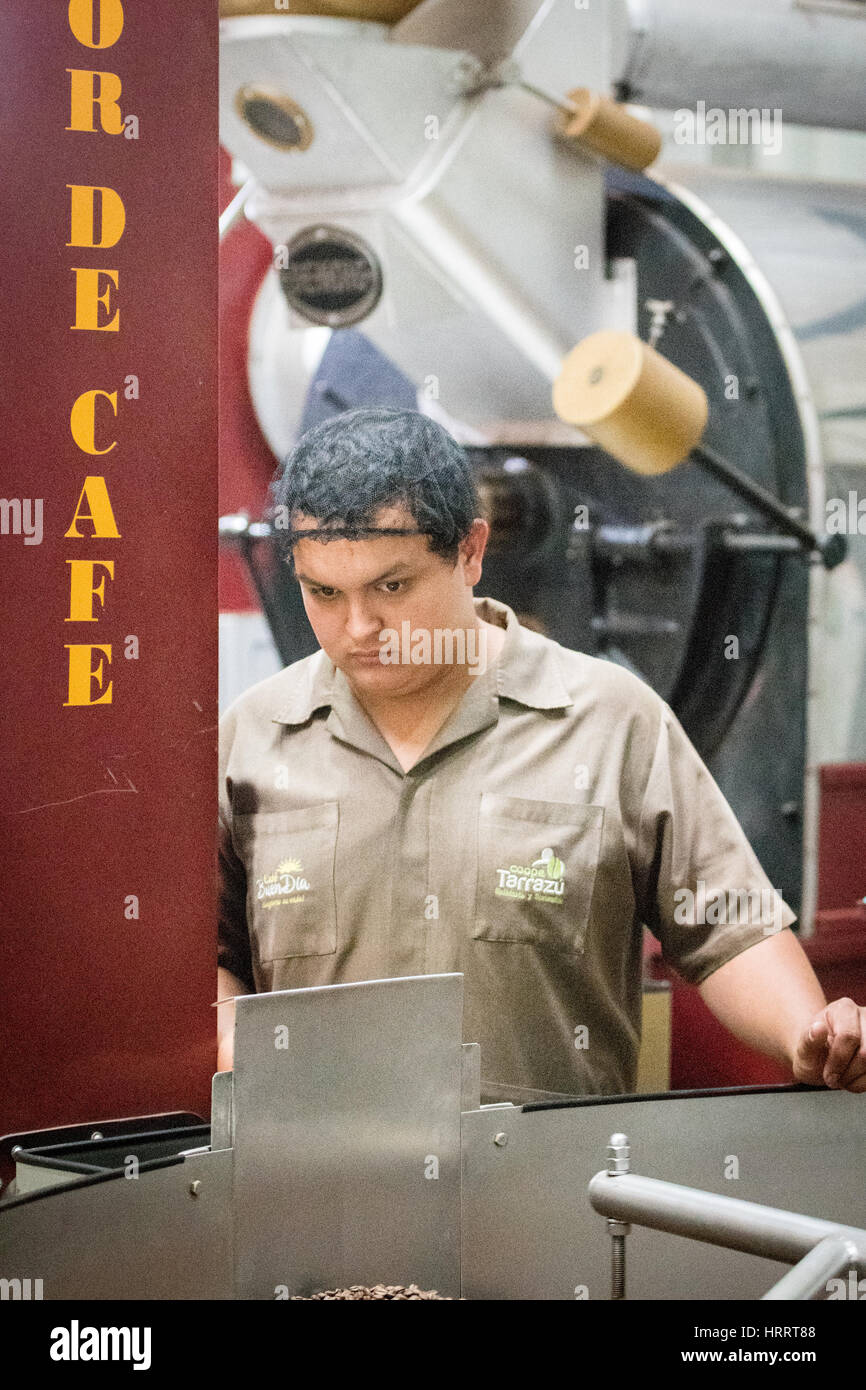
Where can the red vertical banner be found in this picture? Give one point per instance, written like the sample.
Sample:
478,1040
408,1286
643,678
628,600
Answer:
108,523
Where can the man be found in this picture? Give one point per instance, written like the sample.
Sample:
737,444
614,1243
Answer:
440,789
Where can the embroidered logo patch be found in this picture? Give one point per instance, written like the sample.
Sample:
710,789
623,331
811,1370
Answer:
286,885
541,881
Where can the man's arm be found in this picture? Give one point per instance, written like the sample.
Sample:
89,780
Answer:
228,987
769,997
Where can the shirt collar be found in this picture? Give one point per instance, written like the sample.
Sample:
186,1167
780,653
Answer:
527,671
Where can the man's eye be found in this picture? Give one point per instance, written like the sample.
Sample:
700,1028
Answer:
323,593
393,586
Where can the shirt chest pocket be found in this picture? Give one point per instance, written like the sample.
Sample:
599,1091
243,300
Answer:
291,898
537,862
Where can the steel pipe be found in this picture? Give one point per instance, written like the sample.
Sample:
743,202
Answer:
808,1279
727,1221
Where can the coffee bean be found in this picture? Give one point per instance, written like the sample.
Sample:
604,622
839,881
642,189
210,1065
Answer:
362,1291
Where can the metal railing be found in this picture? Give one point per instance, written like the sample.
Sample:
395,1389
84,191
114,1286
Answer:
818,1250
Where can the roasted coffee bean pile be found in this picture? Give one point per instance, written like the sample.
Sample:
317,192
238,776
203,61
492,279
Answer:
377,1291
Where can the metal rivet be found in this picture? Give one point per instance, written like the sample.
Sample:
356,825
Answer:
500,1140
194,1188
97,1135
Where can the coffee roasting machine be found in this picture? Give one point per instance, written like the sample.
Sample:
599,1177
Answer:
658,370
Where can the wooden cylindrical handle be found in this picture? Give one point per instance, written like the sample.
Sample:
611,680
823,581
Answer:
632,401
385,11
608,129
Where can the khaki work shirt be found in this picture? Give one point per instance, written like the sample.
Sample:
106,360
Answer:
559,809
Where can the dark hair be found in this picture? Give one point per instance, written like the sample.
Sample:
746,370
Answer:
345,470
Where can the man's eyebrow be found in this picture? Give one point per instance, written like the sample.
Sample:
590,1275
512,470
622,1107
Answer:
401,567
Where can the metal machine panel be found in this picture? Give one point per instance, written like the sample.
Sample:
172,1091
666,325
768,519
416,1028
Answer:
347,1137
805,57
410,154
341,76
529,1231
164,1235
221,1119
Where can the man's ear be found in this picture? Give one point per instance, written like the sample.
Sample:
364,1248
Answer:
472,549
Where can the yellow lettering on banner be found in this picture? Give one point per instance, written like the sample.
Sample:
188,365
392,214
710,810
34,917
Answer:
88,299
82,589
95,493
82,674
108,22
82,216
82,421
97,220
84,98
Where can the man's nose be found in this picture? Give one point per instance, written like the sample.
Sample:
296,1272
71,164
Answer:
362,622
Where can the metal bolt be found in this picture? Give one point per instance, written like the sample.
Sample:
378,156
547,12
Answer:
618,1228
618,1152
194,1188
467,75
507,72
500,1140
659,309
617,1263
97,1135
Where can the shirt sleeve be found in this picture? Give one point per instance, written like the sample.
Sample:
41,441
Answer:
233,938
701,890
233,950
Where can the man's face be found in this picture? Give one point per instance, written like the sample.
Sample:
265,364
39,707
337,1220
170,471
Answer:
355,591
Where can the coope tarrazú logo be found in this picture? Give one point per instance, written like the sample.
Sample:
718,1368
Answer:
543,880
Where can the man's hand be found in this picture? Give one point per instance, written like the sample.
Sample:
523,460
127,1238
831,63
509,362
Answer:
769,997
832,1050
